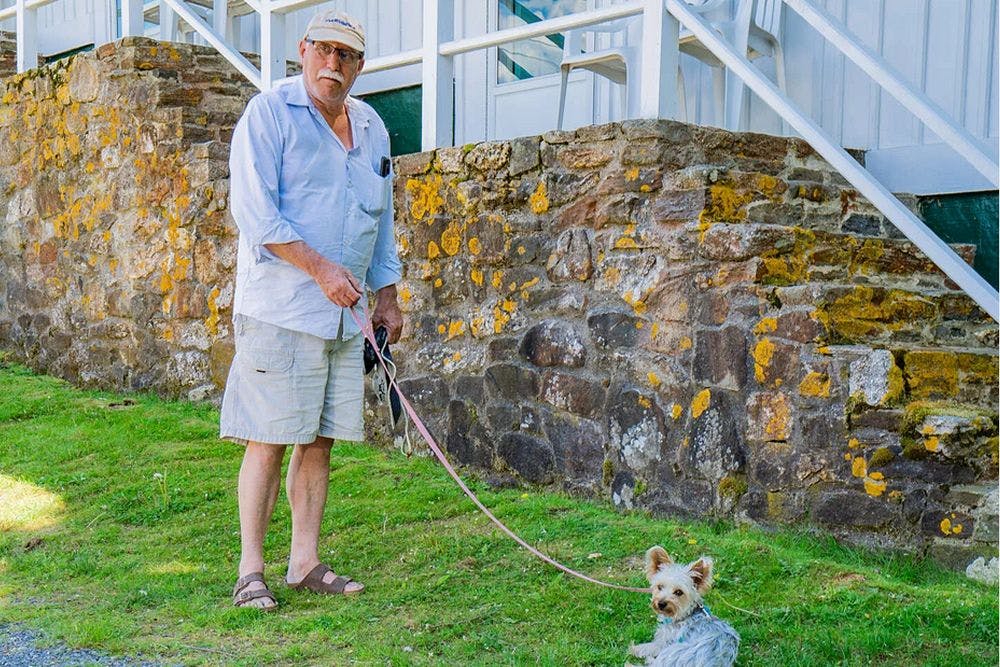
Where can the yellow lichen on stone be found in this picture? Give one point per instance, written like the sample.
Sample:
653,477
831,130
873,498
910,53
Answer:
874,484
932,444
762,354
405,294
686,343
766,325
456,328
945,526
632,174
853,443
475,247
859,468
497,279
626,243
433,252
476,326
700,402
676,411
451,239
612,275
645,402
815,384
654,379
477,276
438,282
426,199
442,329
508,305
539,199
212,321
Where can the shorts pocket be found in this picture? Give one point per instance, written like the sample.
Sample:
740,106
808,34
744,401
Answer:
268,361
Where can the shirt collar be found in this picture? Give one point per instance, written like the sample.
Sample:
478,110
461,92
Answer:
295,95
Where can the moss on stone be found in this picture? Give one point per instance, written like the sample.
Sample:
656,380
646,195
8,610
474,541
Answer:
732,487
915,412
607,472
913,449
880,457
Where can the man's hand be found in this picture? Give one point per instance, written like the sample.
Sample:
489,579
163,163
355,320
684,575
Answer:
387,313
337,282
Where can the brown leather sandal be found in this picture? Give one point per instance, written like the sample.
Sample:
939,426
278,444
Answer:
314,582
241,596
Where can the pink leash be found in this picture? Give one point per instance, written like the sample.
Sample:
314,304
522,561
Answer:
366,330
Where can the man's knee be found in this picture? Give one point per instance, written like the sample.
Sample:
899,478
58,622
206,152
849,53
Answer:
264,454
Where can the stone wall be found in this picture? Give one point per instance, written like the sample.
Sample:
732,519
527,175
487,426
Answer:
697,323
117,251
674,318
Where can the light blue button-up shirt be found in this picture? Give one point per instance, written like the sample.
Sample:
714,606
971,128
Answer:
292,180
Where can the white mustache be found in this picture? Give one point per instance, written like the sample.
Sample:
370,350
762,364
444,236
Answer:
327,73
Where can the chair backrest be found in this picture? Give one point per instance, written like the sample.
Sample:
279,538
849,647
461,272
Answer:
573,44
767,16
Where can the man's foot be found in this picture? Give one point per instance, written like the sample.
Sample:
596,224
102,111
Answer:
320,579
251,591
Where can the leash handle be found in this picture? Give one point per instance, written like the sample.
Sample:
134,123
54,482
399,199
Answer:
366,330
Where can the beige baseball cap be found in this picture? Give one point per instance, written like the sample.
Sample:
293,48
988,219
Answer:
334,26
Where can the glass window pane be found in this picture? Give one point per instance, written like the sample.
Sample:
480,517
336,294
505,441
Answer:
528,58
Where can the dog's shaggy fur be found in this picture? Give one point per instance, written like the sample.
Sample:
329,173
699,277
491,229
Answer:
687,634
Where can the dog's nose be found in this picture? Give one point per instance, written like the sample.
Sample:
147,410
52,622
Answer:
661,604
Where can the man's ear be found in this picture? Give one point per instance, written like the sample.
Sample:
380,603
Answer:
701,573
656,557
302,50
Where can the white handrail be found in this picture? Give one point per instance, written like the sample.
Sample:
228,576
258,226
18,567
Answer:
918,103
939,252
236,58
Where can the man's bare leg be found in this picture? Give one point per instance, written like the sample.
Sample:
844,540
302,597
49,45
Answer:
260,478
306,485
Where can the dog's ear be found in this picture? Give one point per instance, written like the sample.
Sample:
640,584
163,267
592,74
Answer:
656,557
701,573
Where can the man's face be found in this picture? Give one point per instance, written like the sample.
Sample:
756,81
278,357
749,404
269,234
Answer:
329,69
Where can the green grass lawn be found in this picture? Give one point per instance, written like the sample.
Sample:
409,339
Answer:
118,531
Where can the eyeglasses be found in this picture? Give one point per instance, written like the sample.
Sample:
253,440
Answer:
325,50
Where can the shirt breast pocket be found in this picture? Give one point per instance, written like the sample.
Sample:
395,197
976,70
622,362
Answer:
372,190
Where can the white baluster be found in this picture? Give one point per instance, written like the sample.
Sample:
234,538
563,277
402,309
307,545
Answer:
659,61
438,103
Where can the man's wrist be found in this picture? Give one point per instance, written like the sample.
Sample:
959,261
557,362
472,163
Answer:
387,292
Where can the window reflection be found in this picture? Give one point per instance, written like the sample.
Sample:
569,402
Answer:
538,56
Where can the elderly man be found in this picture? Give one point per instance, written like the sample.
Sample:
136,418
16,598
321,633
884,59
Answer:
311,196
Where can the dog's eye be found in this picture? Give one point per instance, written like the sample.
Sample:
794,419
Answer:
678,592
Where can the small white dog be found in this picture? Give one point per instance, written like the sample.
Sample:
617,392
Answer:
687,635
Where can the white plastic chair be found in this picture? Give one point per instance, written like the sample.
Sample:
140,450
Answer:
755,31
619,63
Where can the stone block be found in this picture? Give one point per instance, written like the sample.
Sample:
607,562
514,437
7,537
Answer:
578,446
931,374
769,416
840,510
613,329
524,155
512,382
467,439
530,457
721,357
572,257
636,428
572,393
875,378
554,343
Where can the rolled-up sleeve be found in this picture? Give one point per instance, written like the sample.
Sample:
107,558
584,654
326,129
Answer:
385,269
254,168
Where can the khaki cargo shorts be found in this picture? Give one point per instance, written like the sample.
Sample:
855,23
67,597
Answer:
287,387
